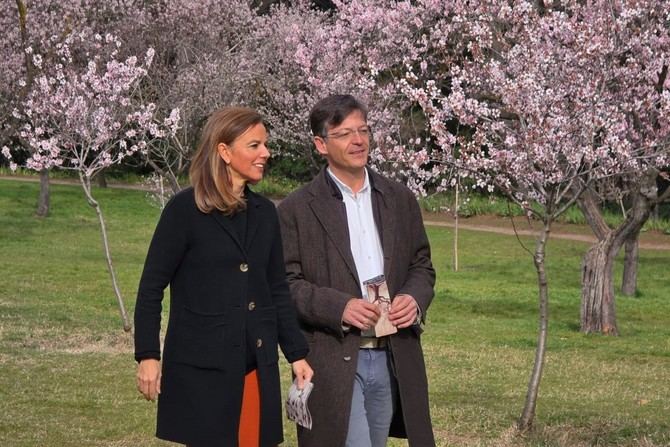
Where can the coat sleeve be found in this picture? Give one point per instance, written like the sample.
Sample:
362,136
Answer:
318,307
291,340
420,279
166,251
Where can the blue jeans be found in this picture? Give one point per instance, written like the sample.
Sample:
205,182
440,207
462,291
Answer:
373,400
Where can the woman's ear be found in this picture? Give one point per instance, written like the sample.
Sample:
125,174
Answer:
224,152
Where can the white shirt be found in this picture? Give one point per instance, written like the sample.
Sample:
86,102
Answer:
366,247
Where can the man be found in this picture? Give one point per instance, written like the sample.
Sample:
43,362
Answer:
347,226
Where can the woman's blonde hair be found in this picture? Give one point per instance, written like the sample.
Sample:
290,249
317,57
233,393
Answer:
208,173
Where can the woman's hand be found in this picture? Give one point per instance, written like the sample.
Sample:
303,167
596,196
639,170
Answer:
149,378
303,372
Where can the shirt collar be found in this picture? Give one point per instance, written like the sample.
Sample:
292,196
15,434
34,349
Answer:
344,188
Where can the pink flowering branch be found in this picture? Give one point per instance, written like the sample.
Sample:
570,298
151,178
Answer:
84,116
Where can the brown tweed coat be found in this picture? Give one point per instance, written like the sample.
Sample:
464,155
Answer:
322,277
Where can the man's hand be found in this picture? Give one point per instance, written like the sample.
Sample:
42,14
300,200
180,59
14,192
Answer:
361,314
303,372
404,311
149,378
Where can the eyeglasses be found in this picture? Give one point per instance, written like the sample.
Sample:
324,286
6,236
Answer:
347,134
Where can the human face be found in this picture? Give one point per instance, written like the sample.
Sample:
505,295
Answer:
246,156
347,145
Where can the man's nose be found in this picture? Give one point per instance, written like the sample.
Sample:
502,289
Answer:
357,137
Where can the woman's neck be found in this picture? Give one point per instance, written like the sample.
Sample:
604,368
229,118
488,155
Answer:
238,189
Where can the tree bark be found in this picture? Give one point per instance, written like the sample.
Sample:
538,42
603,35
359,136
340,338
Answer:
101,179
456,213
598,312
86,185
168,174
22,9
43,199
528,414
630,263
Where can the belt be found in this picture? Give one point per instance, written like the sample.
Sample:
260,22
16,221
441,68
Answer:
373,342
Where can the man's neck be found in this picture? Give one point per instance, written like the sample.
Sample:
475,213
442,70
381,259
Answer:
355,180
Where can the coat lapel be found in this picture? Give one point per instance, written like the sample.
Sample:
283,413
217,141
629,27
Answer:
384,202
332,215
225,223
253,217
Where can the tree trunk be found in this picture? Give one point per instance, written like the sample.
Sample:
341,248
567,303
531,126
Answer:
86,184
168,174
42,209
44,195
656,212
632,255
101,179
456,213
22,9
528,414
174,184
597,311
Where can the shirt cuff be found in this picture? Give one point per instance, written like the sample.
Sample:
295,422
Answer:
419,314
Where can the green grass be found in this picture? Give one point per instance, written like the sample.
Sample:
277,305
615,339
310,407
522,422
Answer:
67,372
275,187
112,175
271,185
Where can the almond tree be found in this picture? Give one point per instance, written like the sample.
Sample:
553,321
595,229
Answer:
24,26
359,48
87,119
201,63
280,87
30,32
627,61
534,87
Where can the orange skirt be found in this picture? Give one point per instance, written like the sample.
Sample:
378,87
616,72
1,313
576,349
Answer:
250,418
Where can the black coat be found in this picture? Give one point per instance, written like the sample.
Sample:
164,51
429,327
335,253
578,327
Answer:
222,291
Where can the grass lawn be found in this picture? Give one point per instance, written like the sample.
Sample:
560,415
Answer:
67,371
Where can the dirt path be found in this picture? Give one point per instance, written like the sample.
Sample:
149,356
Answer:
652,240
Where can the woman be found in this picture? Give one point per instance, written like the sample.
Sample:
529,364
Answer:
218,246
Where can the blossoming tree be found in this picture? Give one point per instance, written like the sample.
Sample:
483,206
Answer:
541,87
85,117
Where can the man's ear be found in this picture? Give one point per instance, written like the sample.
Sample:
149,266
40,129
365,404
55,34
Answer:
320,145
224,152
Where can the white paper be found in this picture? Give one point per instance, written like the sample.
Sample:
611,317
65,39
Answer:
296,404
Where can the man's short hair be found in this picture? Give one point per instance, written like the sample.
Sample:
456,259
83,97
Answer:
331,111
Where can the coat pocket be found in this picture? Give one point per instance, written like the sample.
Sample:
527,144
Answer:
268,351
198,339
